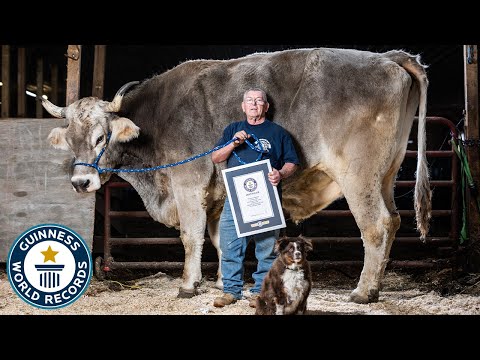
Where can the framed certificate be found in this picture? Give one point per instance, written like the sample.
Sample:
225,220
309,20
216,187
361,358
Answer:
254,201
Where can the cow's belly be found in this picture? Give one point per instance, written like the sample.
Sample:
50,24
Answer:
309,192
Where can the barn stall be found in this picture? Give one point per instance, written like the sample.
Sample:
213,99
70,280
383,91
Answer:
126,232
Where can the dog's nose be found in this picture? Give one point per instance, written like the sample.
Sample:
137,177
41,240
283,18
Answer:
297,255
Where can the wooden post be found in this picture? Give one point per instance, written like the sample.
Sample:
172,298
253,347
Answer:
472,133
6,81
39,107
21,84
54,83
98,71
74,54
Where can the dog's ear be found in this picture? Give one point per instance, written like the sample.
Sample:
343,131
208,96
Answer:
307,243
281,244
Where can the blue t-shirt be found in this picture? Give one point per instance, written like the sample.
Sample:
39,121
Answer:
276,141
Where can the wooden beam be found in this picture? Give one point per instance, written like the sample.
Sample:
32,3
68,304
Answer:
74,54
39,107
98,71
472,133
6,81
21,84
54,83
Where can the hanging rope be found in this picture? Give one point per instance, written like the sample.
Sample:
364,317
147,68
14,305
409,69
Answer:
465,174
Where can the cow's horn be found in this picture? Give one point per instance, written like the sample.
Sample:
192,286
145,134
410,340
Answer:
57,111
114,106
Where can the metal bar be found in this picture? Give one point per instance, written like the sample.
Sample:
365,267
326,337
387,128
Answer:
133,214
401,212
212,265
106,231
411,183
146,241
318,240
432,153
145,214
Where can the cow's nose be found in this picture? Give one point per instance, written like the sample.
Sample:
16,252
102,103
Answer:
81,185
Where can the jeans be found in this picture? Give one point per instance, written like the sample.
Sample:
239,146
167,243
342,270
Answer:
233,254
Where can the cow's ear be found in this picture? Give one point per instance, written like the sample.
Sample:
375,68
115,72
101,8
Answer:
123,130
57,138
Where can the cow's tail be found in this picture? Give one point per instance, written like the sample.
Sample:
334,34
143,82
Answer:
423,193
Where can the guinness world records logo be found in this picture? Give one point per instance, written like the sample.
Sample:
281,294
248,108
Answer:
250,184
49,266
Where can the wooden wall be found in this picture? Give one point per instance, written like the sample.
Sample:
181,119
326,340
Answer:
35,185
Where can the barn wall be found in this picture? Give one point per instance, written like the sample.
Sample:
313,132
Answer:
34,183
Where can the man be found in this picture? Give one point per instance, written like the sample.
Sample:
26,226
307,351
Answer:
273,143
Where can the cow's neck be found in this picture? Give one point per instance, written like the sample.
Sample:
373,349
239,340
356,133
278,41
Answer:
151,186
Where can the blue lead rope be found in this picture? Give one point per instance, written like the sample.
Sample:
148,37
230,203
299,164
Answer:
102,170
260,151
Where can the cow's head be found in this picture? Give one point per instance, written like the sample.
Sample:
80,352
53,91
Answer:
90,120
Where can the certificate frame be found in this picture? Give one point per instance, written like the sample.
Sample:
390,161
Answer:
254,201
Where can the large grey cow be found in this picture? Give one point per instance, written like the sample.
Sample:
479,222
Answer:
350,113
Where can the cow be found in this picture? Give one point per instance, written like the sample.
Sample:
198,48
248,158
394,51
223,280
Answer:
349,112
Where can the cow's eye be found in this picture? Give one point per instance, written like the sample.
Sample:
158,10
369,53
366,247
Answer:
100,139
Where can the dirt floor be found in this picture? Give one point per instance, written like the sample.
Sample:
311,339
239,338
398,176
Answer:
133,293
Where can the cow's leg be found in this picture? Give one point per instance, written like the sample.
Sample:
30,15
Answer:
388,197
378,227
213,231
193,221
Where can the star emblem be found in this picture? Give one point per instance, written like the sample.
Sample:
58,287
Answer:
49,254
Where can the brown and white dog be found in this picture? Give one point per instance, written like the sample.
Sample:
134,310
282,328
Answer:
287,285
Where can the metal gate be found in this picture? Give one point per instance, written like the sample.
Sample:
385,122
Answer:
449,242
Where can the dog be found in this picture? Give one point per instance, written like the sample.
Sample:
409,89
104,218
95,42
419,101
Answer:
287,285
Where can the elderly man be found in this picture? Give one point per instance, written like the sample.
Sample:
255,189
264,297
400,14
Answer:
274,143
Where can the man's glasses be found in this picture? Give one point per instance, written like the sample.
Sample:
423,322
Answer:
259,101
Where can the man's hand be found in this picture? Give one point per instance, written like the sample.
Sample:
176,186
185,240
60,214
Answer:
274,176
241,137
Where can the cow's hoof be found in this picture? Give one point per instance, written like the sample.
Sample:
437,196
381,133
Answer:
357,298
186,294
360,299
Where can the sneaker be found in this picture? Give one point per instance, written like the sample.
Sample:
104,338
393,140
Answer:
225,299
253,300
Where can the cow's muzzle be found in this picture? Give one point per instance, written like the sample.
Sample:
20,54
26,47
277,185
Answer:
86,182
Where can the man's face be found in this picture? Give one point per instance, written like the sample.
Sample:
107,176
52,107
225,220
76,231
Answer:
254,104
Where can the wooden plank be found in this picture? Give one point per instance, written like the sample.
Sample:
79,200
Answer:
74,54
54,83
6,81
35,185
98,71
472,133
21,83
38,105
